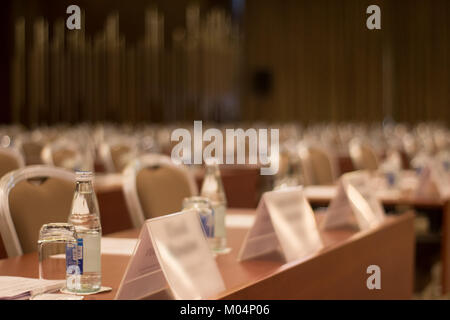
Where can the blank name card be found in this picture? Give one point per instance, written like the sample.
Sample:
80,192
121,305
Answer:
355,204
434,181
172,253
284,220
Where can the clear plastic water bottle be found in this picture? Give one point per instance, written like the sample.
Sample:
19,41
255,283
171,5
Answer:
212,189
85,217
391,168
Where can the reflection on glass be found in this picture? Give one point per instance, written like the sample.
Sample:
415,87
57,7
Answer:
58,255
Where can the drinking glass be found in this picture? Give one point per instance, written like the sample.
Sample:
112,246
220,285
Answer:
203,206
58,254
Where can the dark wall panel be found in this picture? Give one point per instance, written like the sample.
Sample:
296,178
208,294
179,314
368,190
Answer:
326,65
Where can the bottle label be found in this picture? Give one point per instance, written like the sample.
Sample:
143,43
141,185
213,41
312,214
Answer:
72,269
219,221
80,254
91,253
71,258
208,224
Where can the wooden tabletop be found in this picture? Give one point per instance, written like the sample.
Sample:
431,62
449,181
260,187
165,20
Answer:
336,272
322,195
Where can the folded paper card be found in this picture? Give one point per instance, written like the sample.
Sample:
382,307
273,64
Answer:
172,253
284,221
19,288
434,181
355,204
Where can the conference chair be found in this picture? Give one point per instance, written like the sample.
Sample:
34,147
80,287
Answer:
154,186
66,154
117,153
32,152
10,159
319,167
30,197
363,155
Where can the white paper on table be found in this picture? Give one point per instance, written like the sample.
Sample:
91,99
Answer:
355,204
118,246
284,221
20,287
57,296
239,221
113,246
172,252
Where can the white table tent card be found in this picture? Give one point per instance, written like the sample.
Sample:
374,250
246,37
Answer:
172,253
284,221
355,204
434,181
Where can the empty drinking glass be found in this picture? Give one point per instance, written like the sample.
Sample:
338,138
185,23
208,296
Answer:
58,254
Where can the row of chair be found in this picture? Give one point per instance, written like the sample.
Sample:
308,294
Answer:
319,166
39,194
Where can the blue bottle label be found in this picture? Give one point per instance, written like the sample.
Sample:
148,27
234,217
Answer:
208,224
390,176
71,257
80,254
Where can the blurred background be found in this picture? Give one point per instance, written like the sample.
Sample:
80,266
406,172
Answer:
344,98
224,61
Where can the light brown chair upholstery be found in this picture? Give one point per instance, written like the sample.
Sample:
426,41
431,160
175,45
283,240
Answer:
116,154
34,203
119,156
62,156
323,168
161,190
363,156
68,154
31,197
318,166
155,186
9,160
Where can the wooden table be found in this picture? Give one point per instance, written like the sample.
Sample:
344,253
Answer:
336,272
322,195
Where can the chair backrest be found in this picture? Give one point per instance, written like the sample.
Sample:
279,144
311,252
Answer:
10,160
29,198
319,167
154,186
32,151
117,154
363,155
66,154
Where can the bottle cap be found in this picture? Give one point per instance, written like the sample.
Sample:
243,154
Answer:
84,175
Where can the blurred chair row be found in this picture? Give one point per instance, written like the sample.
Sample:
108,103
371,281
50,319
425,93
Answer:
319,166
39,194
152,185
63,153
